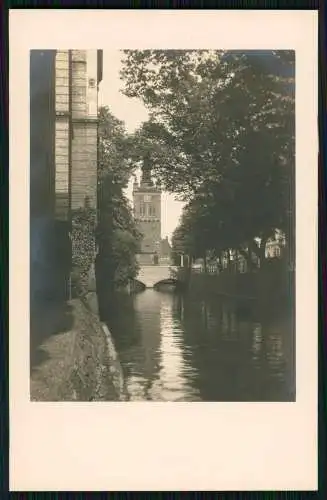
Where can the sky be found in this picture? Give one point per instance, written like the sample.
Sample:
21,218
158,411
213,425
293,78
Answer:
133,113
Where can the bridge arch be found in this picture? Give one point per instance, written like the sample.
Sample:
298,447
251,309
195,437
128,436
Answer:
167,284
151,275
136,286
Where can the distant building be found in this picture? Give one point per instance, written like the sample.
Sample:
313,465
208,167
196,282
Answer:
275,246
147,213
165,247
165,252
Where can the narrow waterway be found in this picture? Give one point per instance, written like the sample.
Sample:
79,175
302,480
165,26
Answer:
174,348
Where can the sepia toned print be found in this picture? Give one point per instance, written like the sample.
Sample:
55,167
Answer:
162,225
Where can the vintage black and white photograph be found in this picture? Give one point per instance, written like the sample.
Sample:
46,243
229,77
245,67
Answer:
162,225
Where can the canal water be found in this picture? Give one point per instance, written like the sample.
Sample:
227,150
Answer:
175,348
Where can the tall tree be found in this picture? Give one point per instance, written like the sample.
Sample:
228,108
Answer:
117,234
221,127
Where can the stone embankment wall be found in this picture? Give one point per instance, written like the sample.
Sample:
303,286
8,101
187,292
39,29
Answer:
271,284
81,364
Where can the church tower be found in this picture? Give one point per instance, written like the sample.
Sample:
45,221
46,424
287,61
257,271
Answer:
147,212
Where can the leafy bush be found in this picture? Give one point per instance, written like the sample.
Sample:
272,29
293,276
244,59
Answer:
83,247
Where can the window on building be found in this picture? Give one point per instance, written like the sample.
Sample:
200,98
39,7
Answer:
142,209
152,210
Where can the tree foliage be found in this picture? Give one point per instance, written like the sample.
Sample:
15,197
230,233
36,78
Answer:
117,235
83,246
221,137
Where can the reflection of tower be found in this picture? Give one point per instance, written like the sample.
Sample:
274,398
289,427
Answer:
147,211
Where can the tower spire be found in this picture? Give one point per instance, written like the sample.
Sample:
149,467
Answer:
146,171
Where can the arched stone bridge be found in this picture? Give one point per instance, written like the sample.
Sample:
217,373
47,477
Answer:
152,275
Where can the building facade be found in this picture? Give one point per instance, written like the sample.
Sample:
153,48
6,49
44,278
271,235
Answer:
275,247
63,157
42,171
147,213
76,131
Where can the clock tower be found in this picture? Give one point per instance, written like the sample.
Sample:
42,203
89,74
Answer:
147,212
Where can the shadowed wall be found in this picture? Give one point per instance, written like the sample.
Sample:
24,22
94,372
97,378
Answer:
42,170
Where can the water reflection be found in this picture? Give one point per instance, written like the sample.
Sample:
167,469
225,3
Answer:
257,344
173,348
